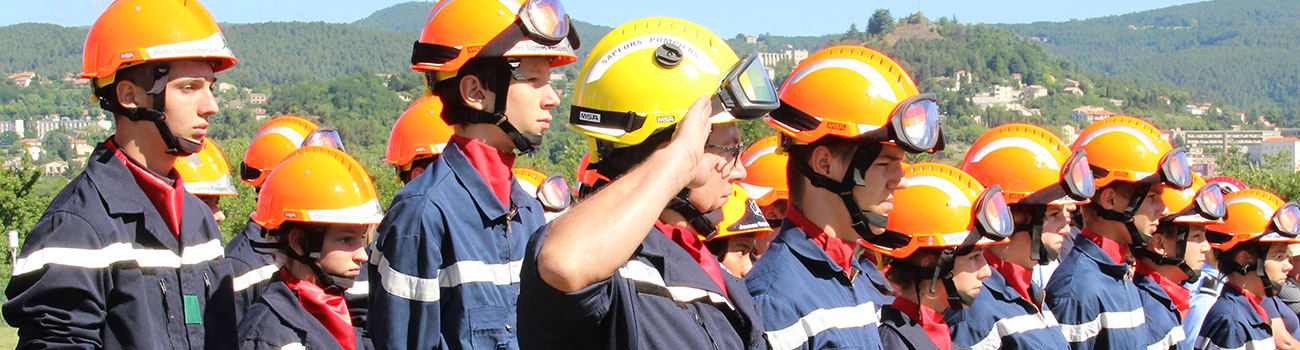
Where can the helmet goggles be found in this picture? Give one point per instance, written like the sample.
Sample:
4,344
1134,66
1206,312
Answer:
326,137
745,90
1076,183
992,221
1208,205
554,193
544,22
913,124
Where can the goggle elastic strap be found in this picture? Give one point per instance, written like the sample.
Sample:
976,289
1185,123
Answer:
705,224
1135,201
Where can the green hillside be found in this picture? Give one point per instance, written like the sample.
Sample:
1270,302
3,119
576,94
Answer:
1241,52
403,17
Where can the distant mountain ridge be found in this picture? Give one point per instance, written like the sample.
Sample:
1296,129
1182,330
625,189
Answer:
1242,51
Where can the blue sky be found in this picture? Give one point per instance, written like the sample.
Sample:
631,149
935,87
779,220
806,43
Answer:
726,17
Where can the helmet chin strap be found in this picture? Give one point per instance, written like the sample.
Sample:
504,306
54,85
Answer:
176,145
1183,231
1037,250
705,224
524,143
1261,252
1139,240
853,177
942,270
330,283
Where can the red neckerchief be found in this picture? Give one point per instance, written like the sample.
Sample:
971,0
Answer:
1175,291
1253,299
840,251
491,163
329,309
1018,277
1116,251
696,248
168,199
931,321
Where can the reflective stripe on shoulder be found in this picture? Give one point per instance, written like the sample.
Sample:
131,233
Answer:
405,286
641,272
256,276
118,252
293,346
359,288
1075,333
1175,335
1257,344
820,320
470,271
1011,326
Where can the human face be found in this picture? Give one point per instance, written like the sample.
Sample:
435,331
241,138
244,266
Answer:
1147,217
969,272
189,99
719,169
343,249
884,176
211,201
738,258
529,101
1056,224
1197,247
1276,264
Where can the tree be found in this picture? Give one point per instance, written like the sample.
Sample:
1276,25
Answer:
20,206
881,23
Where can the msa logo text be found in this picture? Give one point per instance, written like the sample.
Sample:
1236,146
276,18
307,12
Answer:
666,119
589,117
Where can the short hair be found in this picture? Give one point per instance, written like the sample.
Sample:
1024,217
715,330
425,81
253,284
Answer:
840,148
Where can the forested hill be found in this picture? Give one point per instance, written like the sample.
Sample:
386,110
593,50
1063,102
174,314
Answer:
1242,50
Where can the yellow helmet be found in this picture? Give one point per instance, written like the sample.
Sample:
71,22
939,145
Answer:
644,75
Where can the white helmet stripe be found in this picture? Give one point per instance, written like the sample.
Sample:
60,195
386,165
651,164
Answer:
367,213
1258,203
284,131
1138,134
955,195
1041,153
214,45
759,154
879,84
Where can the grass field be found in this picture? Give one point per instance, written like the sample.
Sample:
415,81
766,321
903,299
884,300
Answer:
8,337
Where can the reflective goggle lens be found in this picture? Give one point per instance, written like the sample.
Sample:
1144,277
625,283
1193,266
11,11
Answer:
994,214
324,137
1177,172
554,193
1210,201
1287,220
1078,177
917,124
755,83
745,90
548,18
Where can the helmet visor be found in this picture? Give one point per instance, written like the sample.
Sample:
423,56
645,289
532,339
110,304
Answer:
992,216
915,123
554,193
746,91
1078,177
1175,172
545,21
1286,221
325,137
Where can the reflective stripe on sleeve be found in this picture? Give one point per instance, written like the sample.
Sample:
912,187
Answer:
1172,338
638,271
1075,333
293,346
470,271
820,320
405,286
1208,344
255,276
1010,326
118,252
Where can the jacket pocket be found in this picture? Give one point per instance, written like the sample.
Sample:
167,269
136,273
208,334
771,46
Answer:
490,329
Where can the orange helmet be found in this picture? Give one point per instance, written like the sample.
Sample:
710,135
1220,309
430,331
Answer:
459,30
275,140
1230,184
856,92
741,215
206,172
130,32
1046,171
1198,203
318,185
1255,214
418,133
588,178
943,207
765,165
552,191
1132,150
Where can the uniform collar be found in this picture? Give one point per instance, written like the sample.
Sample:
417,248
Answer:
678,267
121,194
1118,253
837,250
693,246
165,192
485,199
1163,288
1015,278
284,303
1105,262
930,320
492,165
1254,300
